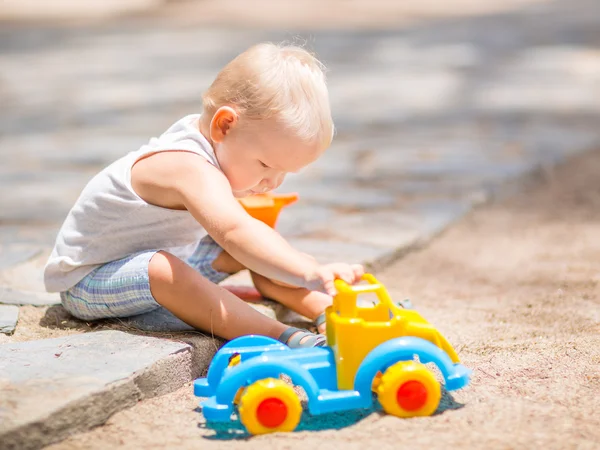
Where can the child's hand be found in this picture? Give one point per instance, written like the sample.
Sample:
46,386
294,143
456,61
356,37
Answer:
322,278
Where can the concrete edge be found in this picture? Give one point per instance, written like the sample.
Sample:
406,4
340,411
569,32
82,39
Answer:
160,378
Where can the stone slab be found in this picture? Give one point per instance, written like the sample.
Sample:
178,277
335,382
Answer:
9,315
55,387
329,250
339,194
394,230
302,217
28,234
13,296
11,255
160,319
388,230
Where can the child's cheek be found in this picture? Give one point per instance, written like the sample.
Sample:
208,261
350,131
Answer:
251,178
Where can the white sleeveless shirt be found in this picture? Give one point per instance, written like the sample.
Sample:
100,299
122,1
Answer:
109,221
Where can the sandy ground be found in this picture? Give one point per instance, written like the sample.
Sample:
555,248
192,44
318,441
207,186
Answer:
515,287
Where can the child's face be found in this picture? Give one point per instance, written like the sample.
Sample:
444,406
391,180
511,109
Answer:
256,158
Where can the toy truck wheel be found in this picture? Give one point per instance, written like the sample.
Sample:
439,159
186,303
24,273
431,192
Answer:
409,389
269,405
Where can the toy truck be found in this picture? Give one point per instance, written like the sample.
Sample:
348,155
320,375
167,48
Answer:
371,349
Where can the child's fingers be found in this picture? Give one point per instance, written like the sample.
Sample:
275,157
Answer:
347,275
358,270
329,287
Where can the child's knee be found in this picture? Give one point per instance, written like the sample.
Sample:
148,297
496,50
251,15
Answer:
162,268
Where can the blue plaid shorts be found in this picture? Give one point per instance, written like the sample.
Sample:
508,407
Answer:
122,288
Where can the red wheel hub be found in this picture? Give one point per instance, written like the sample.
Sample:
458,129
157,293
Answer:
271,412
412,395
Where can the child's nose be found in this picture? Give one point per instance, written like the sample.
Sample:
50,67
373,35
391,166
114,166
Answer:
273,183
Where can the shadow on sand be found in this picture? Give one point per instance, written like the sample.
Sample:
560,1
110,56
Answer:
332,421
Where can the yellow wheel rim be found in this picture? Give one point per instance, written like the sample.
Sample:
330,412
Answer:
269,405
409,389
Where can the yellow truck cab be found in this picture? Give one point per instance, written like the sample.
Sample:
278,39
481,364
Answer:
353,330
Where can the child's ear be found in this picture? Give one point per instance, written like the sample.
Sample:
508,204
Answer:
222,122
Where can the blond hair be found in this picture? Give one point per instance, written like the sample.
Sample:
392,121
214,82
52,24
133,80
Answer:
282,82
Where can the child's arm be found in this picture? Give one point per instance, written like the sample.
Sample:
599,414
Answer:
184,180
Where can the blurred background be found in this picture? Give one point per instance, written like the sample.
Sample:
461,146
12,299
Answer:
438,105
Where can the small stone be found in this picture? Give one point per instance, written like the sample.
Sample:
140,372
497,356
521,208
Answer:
9,315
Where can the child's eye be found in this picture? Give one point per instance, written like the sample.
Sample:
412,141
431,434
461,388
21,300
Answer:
264,165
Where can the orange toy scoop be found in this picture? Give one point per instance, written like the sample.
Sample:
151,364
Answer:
266,207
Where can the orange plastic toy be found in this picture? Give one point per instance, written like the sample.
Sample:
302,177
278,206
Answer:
266,207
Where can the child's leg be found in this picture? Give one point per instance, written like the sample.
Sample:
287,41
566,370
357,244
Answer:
144,281
203,304
307,303
214,263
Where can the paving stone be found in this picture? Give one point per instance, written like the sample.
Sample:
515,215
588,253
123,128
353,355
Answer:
535,81
381,229
366,96
9,315
48,197
27,277
302,217
11,255
342,195
49,150
391,231
55,387
13,296
160,319
31,234
329,251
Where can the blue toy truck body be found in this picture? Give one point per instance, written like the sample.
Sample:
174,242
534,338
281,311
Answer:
314,369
